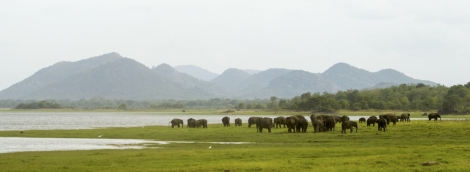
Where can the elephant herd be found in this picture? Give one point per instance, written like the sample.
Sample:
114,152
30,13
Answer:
191,123
298,123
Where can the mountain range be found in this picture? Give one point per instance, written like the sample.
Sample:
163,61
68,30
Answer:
112,76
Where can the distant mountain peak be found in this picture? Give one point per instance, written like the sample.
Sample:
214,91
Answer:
196,72
165,68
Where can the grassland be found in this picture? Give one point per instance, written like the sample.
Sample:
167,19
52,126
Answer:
404,147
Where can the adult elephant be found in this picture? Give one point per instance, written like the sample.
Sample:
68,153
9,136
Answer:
382,124
390,118
201,123
337,118
252,120
226,121
371,120
264,123
302,125
344,118
348,125
318,125
177,122
238,122
362,120
434,116
279,121
191,123
291,123
405,117
329,123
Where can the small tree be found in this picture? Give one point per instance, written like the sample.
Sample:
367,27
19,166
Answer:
122,107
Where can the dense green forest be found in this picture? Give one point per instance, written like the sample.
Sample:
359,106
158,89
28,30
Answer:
455,99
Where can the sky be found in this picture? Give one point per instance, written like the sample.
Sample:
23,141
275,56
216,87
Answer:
428,40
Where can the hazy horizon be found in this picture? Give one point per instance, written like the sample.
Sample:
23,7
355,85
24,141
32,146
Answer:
427,40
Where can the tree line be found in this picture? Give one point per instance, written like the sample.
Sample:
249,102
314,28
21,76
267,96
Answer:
455,99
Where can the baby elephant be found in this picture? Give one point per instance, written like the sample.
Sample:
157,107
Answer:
348,125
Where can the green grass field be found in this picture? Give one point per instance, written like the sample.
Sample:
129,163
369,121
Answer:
404,147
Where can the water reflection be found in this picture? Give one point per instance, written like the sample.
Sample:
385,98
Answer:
21,144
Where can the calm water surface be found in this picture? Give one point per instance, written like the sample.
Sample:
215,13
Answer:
22,144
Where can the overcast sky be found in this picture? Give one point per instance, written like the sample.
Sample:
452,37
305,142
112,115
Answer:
427,40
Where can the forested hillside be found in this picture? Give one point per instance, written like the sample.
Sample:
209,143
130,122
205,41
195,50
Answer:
421,97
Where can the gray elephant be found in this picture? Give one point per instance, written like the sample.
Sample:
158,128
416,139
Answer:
177,122
302,125
382,124
371,120
434,116
279,121
390,118
201,123
291,123
191,123
264,123
226,121
252,120
337,118
348,125
238,122
316,123
405,117
362,120
344,118
329,123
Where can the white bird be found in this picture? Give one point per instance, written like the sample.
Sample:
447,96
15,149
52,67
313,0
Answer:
100,135
210,147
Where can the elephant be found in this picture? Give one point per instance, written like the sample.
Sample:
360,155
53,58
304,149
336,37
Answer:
238,122
252,120
270,119
434,115
177,122
280,121
382,123
317,123
405,117
226,121
329,123
371,120
322,116
302,125
348,125
344,118
291,123
362,120
264,123
390,118
191,123
337,118
425,114
201,123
